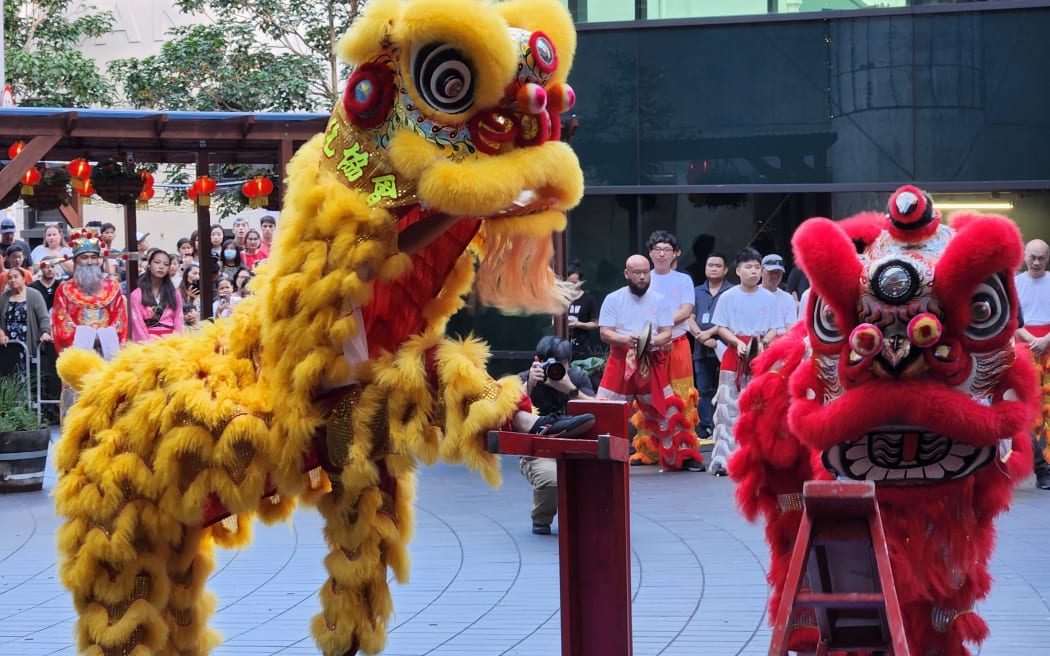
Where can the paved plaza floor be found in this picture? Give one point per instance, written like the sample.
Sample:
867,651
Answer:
483,585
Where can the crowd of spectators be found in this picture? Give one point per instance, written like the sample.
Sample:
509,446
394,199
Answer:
167,294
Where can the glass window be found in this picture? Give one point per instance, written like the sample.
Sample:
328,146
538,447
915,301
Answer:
607,106
980,96
598,11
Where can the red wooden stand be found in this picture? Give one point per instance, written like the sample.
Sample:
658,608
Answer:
593,527
841,550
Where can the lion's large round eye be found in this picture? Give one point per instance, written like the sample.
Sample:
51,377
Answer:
989,310
444,78
825,325
895,282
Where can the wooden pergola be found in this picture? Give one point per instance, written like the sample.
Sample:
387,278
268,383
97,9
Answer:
198,138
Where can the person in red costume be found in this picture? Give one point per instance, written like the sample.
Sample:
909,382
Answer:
637,369
1033,293
89,310
904,371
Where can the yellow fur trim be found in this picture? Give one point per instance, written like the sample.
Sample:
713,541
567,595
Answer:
371,28
487,185
550,17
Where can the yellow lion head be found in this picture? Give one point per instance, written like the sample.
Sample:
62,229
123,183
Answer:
452,107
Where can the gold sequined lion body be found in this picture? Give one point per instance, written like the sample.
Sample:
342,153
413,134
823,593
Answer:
334,379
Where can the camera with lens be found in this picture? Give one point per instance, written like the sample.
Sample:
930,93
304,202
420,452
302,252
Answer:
553,369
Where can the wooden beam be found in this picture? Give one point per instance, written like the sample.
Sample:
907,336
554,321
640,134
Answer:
30,155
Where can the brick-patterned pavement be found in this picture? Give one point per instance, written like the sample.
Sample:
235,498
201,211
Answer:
483,585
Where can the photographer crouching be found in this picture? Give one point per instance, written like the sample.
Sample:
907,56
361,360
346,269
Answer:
551,382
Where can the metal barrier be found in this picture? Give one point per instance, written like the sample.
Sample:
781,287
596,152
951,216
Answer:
34,371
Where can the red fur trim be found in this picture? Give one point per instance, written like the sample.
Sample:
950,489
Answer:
982,247
935,408
825,252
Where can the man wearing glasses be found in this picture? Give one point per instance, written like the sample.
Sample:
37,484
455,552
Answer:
676,288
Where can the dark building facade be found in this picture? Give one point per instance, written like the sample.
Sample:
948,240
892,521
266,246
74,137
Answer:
735,129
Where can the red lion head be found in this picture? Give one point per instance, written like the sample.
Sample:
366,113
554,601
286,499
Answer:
910,374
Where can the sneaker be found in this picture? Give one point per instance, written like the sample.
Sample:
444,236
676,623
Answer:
719,470
541,529
693,465
1042,480
567,426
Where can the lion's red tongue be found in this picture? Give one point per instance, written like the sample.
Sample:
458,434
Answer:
910,447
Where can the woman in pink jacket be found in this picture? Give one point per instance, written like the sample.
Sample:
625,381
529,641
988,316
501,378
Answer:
155,309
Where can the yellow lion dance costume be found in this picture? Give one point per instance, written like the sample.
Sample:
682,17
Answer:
334,378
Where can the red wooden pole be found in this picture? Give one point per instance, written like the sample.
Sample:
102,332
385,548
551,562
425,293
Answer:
594,527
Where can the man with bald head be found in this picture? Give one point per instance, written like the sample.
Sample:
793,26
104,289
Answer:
1033,293
636,322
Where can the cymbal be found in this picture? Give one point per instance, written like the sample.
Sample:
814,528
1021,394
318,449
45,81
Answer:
645,335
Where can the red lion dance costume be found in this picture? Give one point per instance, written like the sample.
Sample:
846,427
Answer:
905,372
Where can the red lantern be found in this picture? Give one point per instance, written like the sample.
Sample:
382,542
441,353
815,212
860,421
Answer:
79,171
205,187
86,190
145,196
191,193
30,178
258,190
147,178
15,149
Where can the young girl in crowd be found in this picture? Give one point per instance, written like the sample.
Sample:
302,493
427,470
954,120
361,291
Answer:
224,299
191,317
155,308
190,288
231,259
187,249
240,283
175,270
252,253
217,234
54,247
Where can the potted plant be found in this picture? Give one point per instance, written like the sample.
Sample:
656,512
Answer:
115,182
23,439
51,192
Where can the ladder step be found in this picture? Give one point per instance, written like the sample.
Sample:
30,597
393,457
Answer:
844,600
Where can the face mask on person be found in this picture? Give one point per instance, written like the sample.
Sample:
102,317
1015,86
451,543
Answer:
229,255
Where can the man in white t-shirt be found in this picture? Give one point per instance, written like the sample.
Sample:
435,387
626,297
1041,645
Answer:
1033,294
677,288
772,274
638,373
744,314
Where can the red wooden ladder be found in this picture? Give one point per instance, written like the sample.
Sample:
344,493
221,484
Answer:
841,553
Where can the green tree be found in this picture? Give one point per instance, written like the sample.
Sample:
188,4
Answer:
44,67
216,67
252,55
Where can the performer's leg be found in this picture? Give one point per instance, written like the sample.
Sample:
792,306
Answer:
646,448
190,605
1042,468
673,434
362,528
118,558
680,373
727,410
542,474
706,370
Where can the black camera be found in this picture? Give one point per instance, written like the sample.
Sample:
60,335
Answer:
553,369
